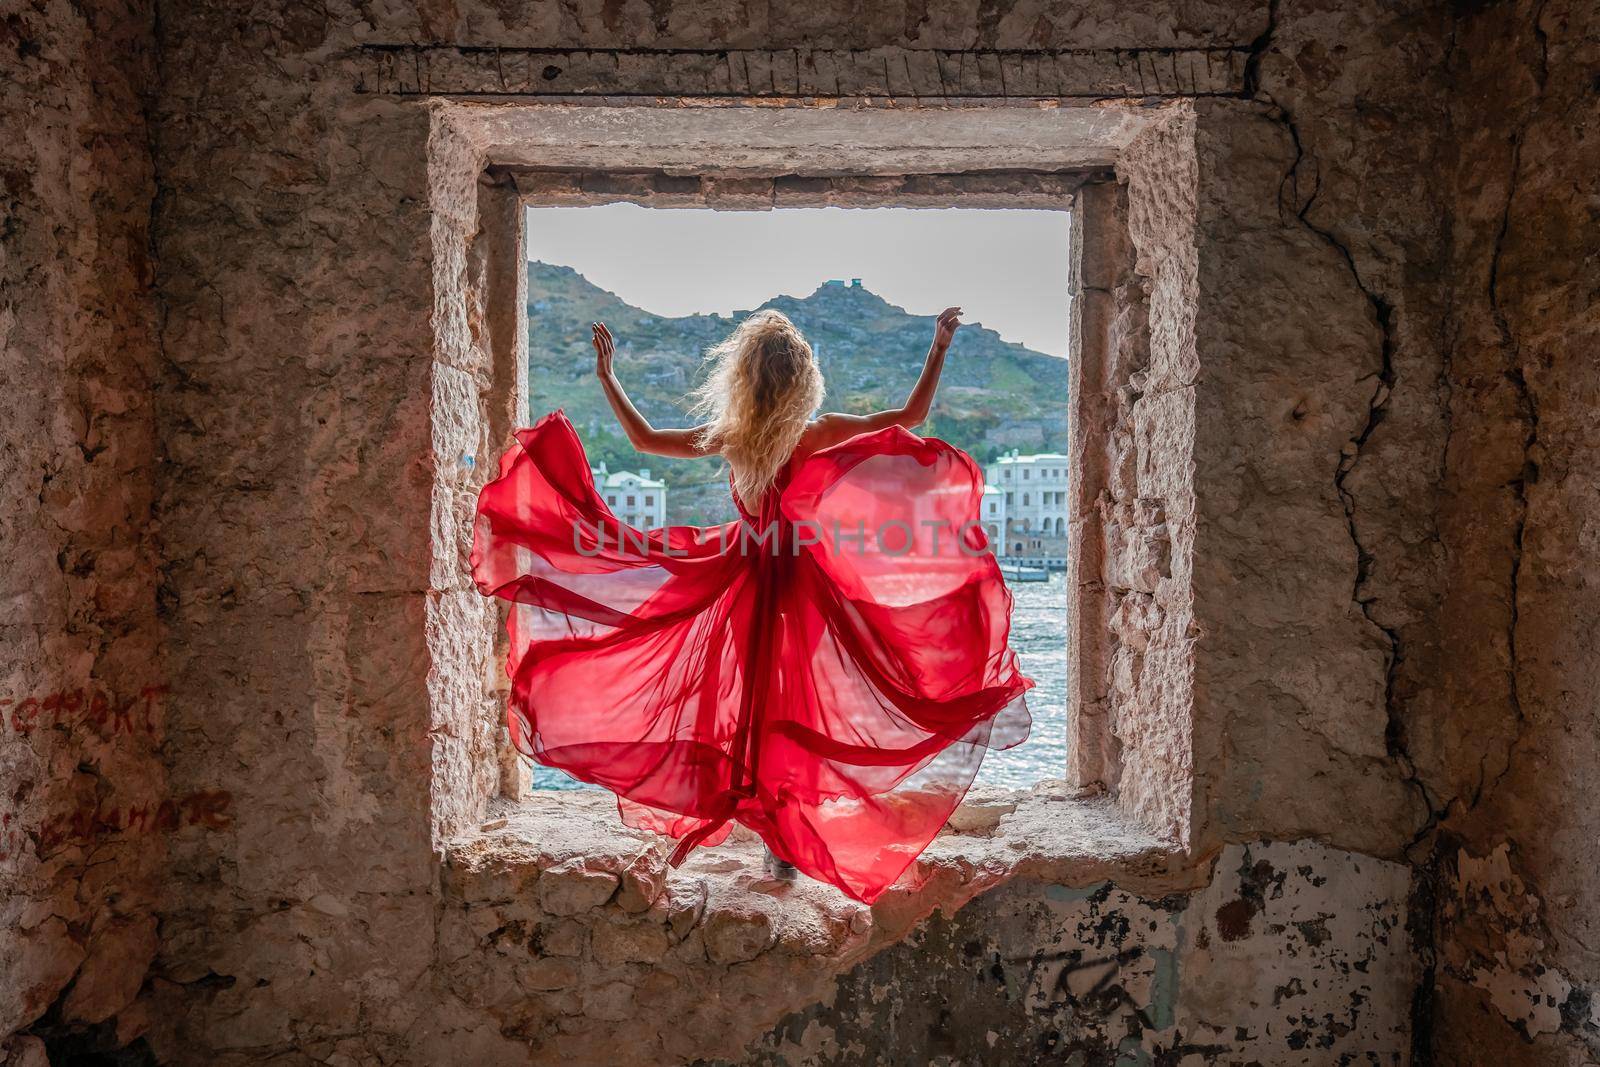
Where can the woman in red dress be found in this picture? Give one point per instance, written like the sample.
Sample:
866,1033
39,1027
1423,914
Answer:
829,670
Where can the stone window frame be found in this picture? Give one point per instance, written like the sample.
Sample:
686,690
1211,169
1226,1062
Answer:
1130,731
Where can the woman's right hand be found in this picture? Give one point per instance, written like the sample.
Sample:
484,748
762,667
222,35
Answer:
944,328
604,349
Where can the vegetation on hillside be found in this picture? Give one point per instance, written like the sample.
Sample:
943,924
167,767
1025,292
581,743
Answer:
995,395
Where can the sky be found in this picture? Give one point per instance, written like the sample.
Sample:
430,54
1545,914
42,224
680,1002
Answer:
1007,269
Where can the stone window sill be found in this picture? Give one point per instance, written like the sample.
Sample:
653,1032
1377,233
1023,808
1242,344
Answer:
554,858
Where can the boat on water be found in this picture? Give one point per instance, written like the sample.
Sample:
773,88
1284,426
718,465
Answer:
1016,572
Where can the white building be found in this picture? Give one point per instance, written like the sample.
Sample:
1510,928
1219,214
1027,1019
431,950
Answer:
1035,489
993,516
636,498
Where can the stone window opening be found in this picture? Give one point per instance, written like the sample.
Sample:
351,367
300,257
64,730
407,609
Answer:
1123,792
575,275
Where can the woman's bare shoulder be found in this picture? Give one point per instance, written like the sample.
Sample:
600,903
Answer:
838,426
824,430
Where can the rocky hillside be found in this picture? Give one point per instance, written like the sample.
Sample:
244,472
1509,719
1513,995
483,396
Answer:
995,395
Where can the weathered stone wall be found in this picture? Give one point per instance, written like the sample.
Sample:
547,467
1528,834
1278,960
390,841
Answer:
1292,673
1148,504
1362,312
311,268
1293,954
1513,747
296,507
1265,487
1470,494
1082,939
84,807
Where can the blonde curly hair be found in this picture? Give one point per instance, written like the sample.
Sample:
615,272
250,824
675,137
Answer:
763,385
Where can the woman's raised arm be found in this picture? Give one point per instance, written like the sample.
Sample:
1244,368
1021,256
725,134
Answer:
680,444
833,428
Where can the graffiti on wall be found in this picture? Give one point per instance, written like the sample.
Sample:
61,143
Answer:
88,708
207,809
108,715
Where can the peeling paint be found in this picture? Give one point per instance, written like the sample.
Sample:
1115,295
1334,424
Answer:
1496,941
1097,974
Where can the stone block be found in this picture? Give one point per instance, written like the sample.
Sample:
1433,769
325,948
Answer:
981,812
566,939
612,1002
25,1050
547,974
630,942
642,882
106,983
737,936
572,888
686,904
732,193
550,187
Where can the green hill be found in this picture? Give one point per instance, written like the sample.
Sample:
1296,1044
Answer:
995,395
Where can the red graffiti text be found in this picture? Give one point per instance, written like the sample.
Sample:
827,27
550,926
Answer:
107,715
205,808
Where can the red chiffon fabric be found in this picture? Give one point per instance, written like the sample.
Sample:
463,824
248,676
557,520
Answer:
828,672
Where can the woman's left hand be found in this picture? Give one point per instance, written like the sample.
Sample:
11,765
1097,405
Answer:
944,329
604,349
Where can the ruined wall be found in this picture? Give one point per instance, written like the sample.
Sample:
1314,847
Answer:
1293,954
1516,753
84,807
1082,942
1481,593
314,339
295,268
1291,672
1388,405
1265,482
1320,251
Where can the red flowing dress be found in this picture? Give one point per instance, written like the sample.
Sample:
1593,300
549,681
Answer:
828,671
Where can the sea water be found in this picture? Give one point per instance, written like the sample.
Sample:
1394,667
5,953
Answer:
1039,637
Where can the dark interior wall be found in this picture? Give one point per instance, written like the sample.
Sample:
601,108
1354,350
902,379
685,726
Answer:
1321,247
1516,748
1356,96
295,272
84,810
